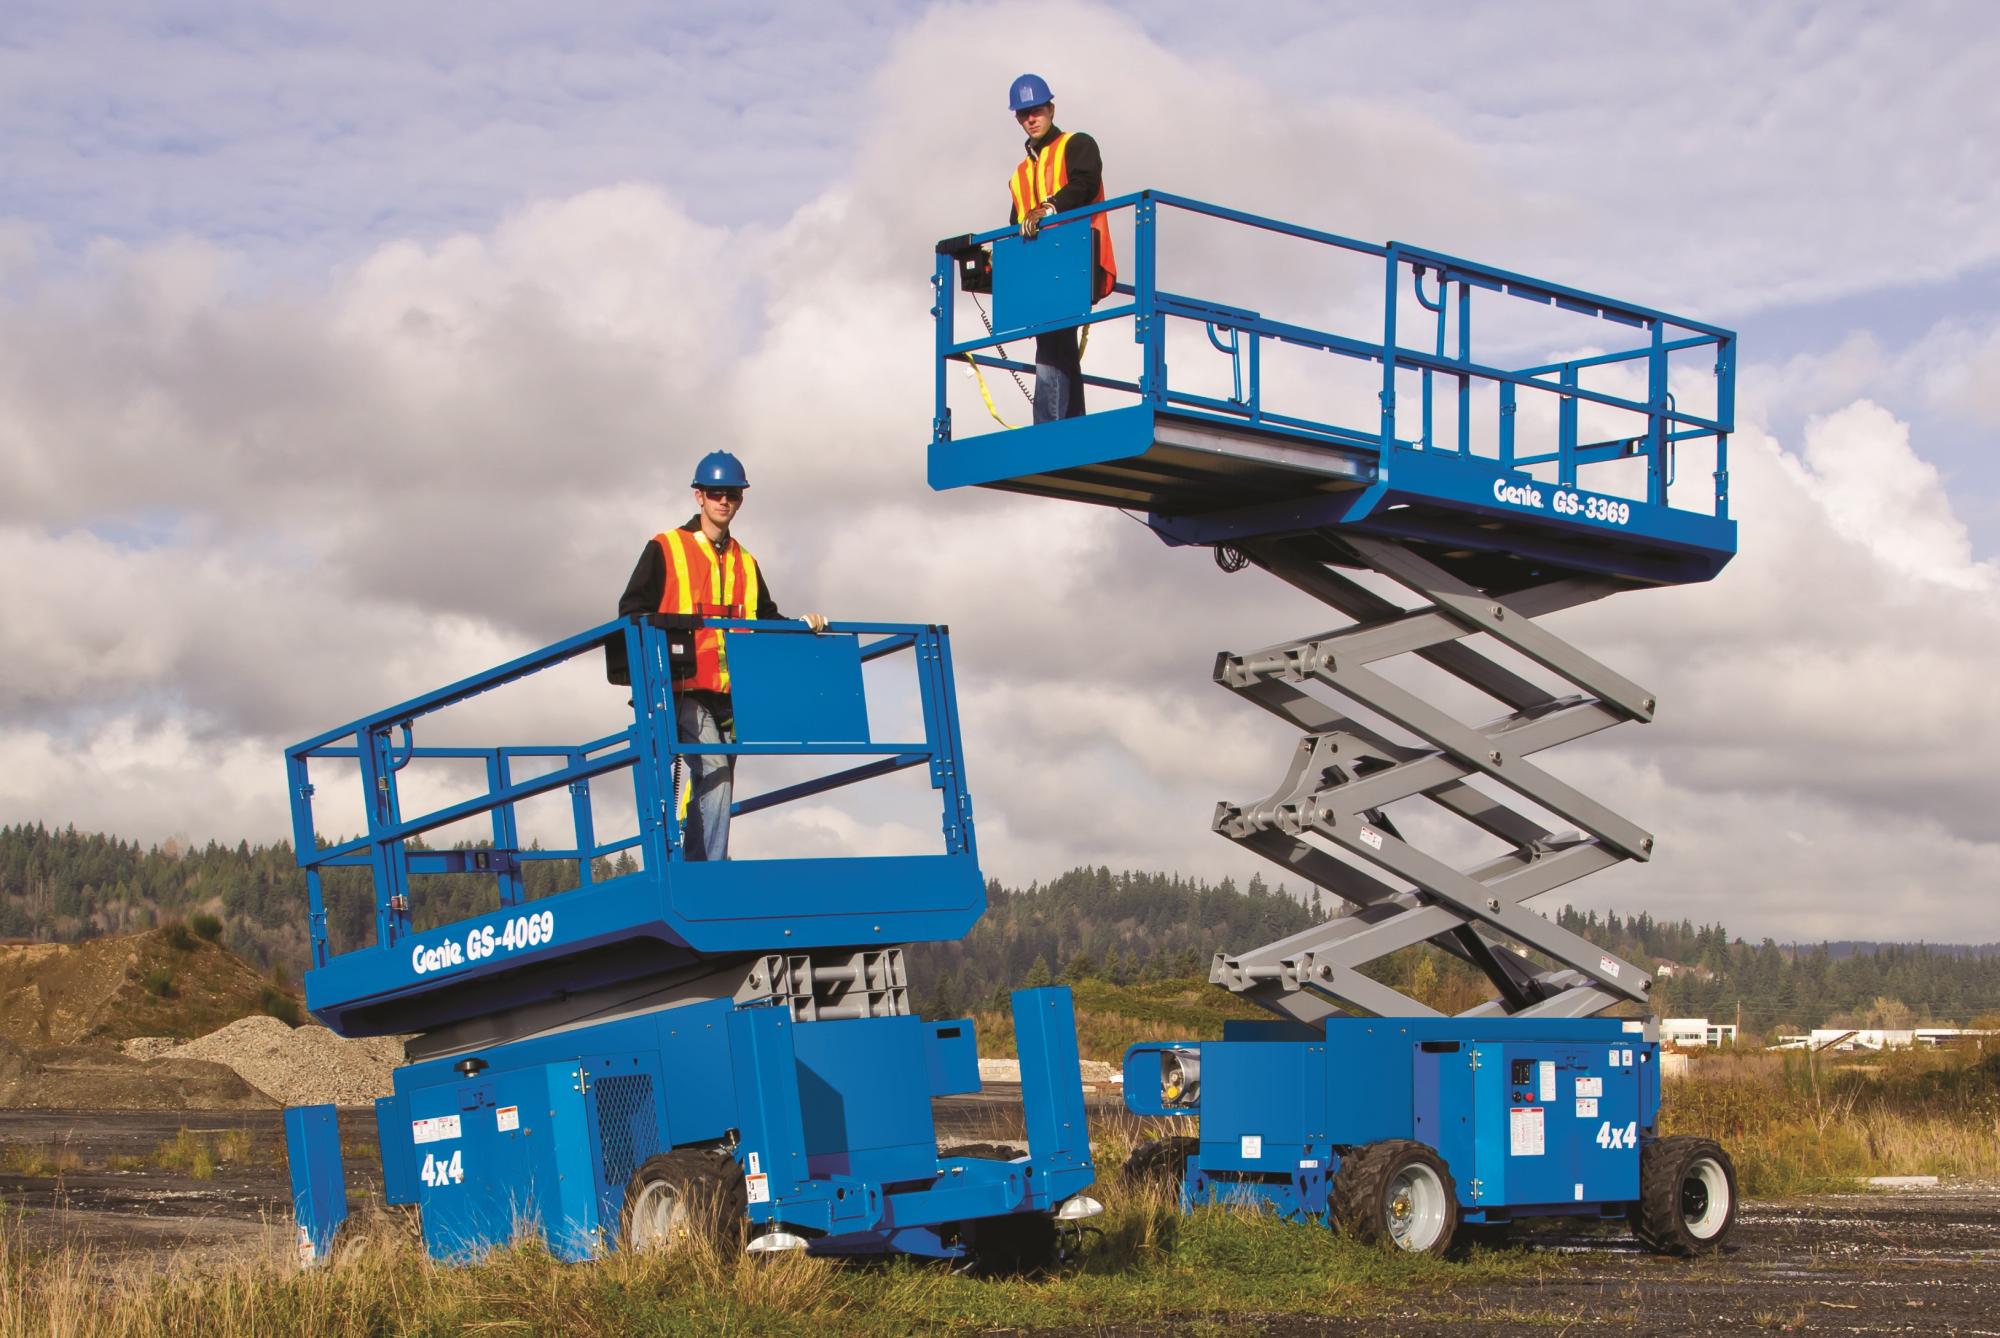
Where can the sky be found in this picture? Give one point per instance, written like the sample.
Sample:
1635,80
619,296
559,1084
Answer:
347,350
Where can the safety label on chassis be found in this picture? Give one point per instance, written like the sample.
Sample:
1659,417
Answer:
436,1129
1524,1131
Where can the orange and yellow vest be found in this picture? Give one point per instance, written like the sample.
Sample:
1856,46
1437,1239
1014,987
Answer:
1040,176
707,585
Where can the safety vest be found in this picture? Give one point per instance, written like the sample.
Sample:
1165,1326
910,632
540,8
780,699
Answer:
1040,176
701,583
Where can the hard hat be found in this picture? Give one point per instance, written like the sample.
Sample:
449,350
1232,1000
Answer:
720,469
1030,90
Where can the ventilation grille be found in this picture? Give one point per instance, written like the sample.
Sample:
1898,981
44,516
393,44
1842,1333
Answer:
627,1126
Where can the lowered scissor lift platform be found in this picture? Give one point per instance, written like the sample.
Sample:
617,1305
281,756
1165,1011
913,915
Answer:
1475,487
589,1064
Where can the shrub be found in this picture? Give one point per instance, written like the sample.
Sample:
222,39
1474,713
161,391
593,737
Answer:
206,926
177,936
190,1152
160,981
279,1005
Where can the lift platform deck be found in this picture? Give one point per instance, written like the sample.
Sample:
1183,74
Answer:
1563,462
796,694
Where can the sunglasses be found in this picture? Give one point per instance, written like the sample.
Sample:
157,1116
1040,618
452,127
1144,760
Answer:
723,494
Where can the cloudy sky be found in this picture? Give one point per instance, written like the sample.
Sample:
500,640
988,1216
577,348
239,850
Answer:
344,350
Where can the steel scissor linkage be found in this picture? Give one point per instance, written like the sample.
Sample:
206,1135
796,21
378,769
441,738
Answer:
1345,772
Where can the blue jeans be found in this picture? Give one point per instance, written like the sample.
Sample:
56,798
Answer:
704,718
1058,376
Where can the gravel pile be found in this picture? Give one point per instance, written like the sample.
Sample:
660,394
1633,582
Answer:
305,1066
1095,1071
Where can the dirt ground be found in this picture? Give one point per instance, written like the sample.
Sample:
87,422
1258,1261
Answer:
1879,1262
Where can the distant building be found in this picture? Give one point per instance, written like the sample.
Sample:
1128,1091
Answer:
1668,969
1842,1040
1690,1032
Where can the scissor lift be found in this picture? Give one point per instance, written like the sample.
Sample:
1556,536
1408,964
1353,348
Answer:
687,1045
1445,535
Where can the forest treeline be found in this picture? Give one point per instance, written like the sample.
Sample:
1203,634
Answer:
60,884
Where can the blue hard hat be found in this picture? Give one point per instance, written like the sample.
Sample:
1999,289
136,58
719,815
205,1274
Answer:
720,469
1030,90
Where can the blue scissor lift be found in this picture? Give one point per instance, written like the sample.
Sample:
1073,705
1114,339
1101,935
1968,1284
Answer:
1470,488
687,1046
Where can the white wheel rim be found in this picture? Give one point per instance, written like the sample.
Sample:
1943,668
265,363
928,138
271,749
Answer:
1704,1198
659,1218
1416,1207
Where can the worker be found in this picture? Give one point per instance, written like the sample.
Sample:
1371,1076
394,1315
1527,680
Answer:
702,569
1062,170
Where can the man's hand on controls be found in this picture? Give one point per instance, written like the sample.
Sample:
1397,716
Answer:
1032,224
815,621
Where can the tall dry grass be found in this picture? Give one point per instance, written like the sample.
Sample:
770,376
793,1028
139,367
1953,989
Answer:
1796,1122
1144,1263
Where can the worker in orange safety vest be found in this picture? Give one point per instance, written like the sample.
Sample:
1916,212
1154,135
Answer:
702,569
1061,170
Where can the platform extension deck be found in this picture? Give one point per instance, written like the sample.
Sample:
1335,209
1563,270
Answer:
427,964
1565,464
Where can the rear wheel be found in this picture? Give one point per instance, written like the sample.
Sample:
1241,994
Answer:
1397,1193
690,1198
1687,1196
1160,1161
981,1151
1015,1245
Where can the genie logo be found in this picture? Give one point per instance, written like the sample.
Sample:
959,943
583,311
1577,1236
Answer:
1515,494
423,960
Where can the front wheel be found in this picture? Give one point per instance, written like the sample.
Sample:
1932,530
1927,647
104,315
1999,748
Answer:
690,1198
1687,1196
1398,1193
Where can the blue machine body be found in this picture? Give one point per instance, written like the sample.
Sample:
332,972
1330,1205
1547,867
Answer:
830,1123
828,1119
1535,1117
319,1182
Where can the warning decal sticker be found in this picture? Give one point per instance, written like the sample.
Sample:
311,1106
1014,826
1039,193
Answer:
434,1130
1524,1131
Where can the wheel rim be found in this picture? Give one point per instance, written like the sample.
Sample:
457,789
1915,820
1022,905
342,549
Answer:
659,1218
1704,1198
1416,1207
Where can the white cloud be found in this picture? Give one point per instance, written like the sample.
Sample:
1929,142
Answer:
236,517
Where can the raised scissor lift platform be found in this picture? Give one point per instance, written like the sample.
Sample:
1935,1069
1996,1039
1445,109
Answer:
1484,523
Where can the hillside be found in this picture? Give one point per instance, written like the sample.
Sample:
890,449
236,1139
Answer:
164,982
59,884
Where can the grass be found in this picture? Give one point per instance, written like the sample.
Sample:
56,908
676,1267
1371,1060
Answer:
190,1152
1111,1017
51,1159
198,1155
1214,1271
1797,1122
